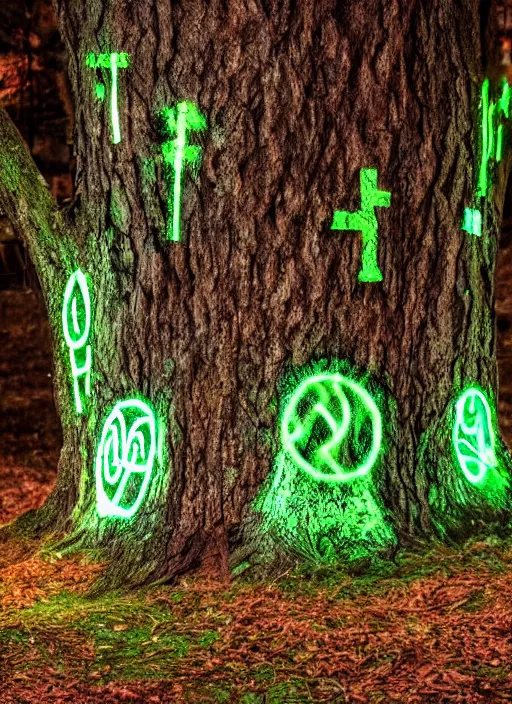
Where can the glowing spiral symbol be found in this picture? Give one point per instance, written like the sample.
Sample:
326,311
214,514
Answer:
125,458
473,435
331,428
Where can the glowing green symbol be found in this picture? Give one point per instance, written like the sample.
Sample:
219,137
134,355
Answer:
113,62
472,221
76,325
178,122
323,436
493,116
473,435
125,458
492,144
99,89
503,110
365,221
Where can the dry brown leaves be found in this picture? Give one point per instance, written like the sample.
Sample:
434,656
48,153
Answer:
23,489
51,688
416,643
26,577
445,637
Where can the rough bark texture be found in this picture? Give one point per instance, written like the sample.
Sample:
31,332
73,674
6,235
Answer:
298,97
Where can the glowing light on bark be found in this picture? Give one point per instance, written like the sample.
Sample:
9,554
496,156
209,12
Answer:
493,114
482,176
113,97
504,106
112,62
125,458
365,221
178,122
76,325
472,221
316,424
473,435
325,517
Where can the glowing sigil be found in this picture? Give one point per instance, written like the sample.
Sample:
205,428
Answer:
316,424
178,122
125,458
76,325
473,435
492,133
113,62
493,116
365,221
472,221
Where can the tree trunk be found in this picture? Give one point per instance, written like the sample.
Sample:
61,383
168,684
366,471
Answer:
216,332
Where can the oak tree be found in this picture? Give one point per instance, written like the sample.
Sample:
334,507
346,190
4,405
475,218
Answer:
271,299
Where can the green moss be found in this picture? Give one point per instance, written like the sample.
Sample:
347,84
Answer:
294,692
210,694
475,601
10,636
127,633
381,576
139,635
497,673
208,638
264,673
11,171
252,698
125,652
327,521
148,172
120,210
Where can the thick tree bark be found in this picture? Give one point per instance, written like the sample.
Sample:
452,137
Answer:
298,98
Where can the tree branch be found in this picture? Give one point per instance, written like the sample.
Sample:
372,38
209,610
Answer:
30,206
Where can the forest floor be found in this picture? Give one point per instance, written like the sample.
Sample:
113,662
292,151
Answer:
30,433
433,626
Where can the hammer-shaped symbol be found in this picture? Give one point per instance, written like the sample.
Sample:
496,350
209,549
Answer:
178,122
365,221
113,62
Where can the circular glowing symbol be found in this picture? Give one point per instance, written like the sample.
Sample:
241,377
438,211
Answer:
76,294
331,428
473,435
125,458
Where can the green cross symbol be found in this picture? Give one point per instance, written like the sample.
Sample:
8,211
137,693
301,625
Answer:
365,221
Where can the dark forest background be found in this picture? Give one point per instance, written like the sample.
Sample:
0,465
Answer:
35,91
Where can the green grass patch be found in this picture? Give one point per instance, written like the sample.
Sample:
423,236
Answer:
13,637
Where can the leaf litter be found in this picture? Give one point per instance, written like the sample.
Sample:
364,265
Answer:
436,628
